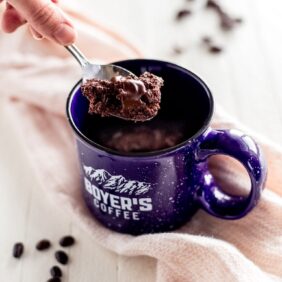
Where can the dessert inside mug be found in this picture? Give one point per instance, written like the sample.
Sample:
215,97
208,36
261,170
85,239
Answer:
185,111
153,176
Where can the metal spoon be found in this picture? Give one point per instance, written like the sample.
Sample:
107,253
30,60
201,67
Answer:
90,70
105,72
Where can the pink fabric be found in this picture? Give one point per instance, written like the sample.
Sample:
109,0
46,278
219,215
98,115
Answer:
37,79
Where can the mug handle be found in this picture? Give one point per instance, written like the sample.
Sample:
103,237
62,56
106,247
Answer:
243,148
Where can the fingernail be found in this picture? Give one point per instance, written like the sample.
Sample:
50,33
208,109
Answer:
65,34
35,34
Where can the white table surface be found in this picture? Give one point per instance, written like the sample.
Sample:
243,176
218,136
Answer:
245,80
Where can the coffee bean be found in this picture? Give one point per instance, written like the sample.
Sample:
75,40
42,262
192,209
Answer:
215,49
54,279
183,14
67,241
56,271
61,257
18,250
43,245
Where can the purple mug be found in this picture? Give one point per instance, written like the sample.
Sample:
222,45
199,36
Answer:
158,191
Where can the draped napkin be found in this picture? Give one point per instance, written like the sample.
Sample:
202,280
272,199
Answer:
36,78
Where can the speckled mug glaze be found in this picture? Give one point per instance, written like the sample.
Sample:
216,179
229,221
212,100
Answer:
160,191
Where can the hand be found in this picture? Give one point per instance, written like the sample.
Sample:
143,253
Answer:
45,19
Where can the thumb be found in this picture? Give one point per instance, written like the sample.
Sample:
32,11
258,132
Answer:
47,19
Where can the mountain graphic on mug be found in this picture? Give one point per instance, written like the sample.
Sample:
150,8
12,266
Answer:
116,183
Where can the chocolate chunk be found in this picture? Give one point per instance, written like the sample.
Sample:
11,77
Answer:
210,45
18,250
207,40
54,279
213,4
61,257
130,98
227,23
67,241
239,20
177,50
43,245
56,271
215,49
183,14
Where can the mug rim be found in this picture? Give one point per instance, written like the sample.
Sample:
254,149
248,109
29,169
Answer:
152,153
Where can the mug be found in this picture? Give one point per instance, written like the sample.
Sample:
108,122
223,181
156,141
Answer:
159,191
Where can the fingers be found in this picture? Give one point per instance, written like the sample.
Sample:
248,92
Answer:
46,19
11,19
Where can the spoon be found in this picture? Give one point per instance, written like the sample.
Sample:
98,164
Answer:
89,70
104,72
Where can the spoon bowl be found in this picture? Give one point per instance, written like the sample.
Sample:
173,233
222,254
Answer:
90,71
104,72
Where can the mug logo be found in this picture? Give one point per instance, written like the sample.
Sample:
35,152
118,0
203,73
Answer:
116,183
128,200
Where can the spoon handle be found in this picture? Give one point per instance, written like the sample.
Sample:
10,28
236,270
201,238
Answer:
78,55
